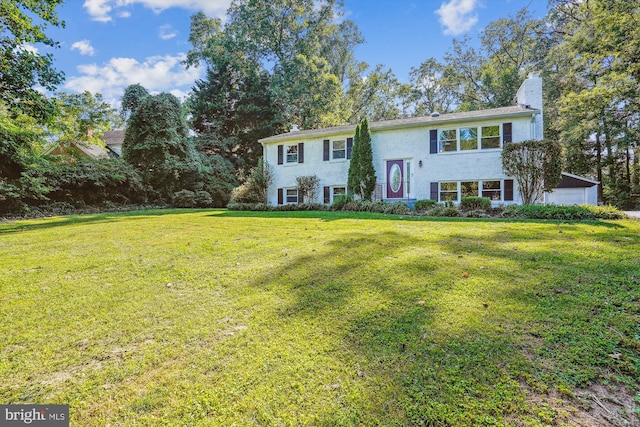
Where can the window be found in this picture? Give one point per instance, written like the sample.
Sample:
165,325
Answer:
448,191
338,191
292,153
491,189
468,139
448,140
292,195
339,149
490,137
469,188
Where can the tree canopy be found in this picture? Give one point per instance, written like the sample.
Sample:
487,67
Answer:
22,68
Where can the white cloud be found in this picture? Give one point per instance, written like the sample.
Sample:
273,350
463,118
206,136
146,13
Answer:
156,74
84,47
166,32
457,16
100,10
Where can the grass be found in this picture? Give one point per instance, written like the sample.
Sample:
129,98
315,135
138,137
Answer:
228,318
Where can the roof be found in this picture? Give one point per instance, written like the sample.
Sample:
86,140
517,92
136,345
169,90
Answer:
113,137
574,181
494,113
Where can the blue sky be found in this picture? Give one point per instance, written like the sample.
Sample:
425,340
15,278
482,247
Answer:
109,44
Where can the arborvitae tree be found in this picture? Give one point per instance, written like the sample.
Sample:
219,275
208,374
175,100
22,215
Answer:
368,180
362,175
353,176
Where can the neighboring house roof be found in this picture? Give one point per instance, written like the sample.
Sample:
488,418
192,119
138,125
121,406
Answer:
113,137
494,113
84,149
574,181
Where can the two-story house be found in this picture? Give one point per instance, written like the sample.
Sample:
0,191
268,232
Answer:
439,157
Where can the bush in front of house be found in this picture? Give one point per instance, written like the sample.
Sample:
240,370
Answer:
554,212
605,212
340,202
451,211
475,203
422,206
395,208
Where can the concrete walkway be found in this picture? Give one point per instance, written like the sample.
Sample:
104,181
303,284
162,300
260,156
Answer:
633,214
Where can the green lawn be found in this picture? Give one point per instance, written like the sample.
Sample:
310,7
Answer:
275,319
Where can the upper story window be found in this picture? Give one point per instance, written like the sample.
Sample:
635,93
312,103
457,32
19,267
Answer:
339,149
469,138
490,137
292,153
448,140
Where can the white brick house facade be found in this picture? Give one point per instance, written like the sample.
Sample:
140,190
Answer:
442,157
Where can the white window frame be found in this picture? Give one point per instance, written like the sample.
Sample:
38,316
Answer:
479,139
500,189
338,187
286,196
287,154
441,141
456,191
333,150
481,189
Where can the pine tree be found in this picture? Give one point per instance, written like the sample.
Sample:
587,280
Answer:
368,172
353,177
362,175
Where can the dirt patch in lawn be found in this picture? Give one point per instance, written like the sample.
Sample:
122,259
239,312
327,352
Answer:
596,405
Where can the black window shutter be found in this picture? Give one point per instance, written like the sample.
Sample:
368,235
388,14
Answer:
327,194
325,150
434,191
280,196
506,132
349,147
280,156
433,142
301,152
508,190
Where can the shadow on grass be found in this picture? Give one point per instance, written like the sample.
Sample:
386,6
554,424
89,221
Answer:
339,215
438,349
71,220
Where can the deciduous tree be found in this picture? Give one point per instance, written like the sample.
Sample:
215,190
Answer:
536,166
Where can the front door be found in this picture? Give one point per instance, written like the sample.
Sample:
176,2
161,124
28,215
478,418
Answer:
395,179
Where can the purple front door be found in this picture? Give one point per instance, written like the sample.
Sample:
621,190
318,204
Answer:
395,179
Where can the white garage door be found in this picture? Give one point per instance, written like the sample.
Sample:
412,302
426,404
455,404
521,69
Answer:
567,196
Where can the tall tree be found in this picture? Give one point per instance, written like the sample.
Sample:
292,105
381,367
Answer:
600,112
430,92
83,117
297,43
361,178
489,76
22,68
378,95
132,98
22,106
